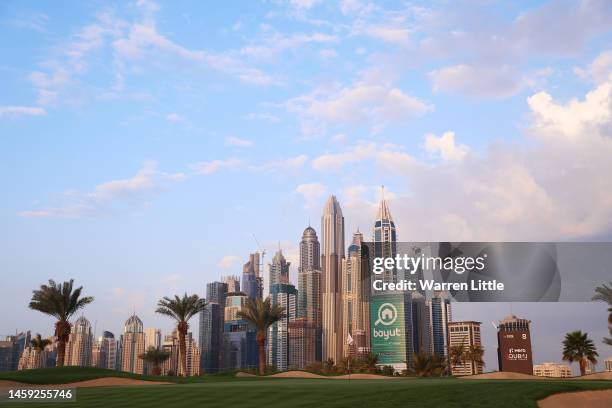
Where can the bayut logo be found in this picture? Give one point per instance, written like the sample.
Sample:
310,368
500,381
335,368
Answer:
387,315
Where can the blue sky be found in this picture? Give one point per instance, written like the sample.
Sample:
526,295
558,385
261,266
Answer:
143,143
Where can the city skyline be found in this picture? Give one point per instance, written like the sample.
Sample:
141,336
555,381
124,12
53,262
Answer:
146,143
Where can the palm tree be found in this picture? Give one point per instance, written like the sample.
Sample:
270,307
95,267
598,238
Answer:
39,344
475,354
603,293
457,354
578,347
181,310
61,302
329,365
262,314
155,357
427,365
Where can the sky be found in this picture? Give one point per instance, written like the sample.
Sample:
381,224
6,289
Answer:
145,143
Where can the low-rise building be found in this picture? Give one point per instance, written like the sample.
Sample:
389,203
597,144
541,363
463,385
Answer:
553,370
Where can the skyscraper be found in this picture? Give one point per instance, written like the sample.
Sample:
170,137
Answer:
466,334
309,286
107,349
211,327
153,337
279,269
11,349
332,231
232,282
355,300
80,344
132,345
251,279
514,345
385,237
234,302
285,295
439,317
302,343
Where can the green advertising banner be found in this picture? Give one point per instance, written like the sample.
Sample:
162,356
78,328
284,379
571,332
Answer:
388,329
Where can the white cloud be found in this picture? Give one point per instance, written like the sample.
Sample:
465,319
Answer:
236,141
599,70
106,196
175,118
228,261
445,146
384,155
22,110
554,187
210,167
489,81
362,103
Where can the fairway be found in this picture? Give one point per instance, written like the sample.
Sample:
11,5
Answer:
329,393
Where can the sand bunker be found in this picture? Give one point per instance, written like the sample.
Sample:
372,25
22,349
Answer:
518,376
305,374
586,399
606,375
98,382
502,376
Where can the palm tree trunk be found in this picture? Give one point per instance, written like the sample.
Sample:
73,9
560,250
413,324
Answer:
261,344
582,367
62,332
183,350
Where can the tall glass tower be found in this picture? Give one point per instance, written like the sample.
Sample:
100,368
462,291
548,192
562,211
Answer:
309,285
332,230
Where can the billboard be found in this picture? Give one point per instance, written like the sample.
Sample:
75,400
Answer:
388,329
514,351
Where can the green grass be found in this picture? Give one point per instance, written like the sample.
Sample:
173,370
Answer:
225,391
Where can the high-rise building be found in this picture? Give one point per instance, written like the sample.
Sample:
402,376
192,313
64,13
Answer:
234,303
439,316
385,237
309,284
302,343
252,283
153,337
132,345
514,345
173,366
421,324
80,344
232,282
279,269
11,349
466,334
355,300
193,357
104,353
239,346
332,253
211,337
211,327
285,295
553,370
32,357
